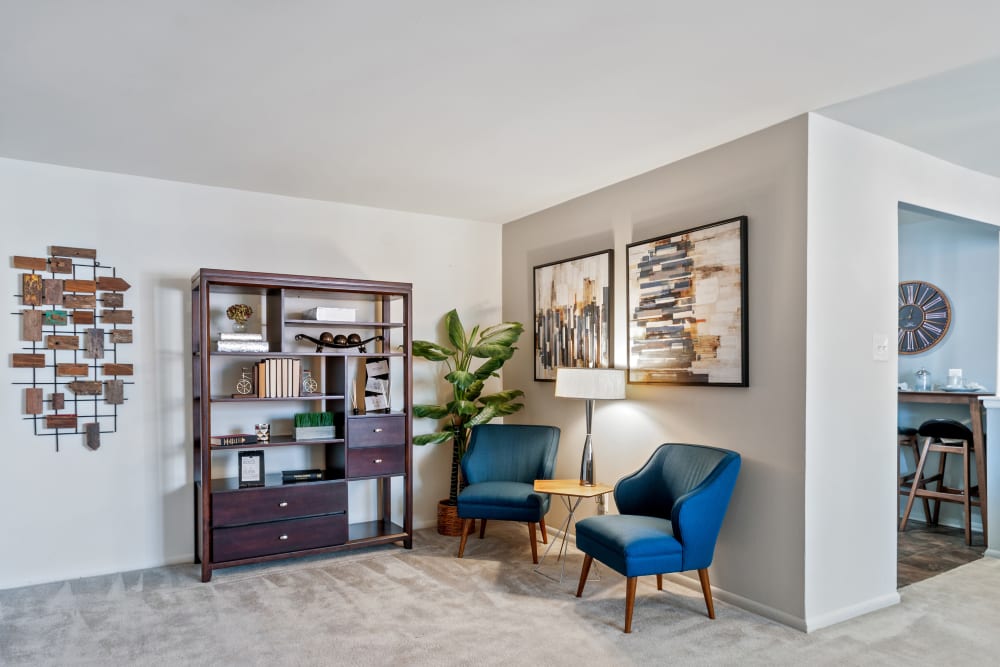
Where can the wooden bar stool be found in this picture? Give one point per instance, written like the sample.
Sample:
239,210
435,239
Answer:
906,437
937,431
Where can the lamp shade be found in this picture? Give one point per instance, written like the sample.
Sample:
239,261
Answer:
592,383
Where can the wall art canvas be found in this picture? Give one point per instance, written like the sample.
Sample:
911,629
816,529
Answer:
687,306
573,307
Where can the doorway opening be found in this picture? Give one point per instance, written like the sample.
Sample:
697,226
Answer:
959,258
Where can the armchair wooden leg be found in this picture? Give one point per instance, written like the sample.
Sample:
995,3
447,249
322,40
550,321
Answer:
482,528
629,601
706,588
545,535
466,526
534,543
587,560
659,582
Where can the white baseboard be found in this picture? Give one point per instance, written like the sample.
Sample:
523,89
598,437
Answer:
992,553
852,611
743,603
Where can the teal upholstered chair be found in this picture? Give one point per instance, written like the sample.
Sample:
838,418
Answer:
500,466
671,513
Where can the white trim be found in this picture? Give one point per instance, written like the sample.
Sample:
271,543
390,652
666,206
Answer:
743,603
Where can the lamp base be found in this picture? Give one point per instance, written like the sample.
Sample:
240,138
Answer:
587,464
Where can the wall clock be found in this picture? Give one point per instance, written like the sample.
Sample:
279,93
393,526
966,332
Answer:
924,316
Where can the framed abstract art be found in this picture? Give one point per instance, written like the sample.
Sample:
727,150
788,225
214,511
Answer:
573,307
687,307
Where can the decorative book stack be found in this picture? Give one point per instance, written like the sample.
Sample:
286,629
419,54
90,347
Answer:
279,378
243,342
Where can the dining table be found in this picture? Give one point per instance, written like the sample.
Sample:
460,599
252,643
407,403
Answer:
974,401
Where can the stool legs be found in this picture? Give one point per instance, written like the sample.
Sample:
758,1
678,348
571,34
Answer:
905,481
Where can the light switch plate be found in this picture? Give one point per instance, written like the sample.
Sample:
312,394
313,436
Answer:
880,347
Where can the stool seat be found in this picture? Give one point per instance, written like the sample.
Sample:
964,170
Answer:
959,442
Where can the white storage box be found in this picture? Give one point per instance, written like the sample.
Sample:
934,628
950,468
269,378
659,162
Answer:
330,314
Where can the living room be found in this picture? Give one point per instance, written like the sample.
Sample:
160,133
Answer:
88,163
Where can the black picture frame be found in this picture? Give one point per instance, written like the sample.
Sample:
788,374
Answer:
251,468
573,311
687,307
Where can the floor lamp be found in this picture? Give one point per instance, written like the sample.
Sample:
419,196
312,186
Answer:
589,384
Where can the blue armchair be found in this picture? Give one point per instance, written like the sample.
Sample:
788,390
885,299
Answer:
671,511
500,466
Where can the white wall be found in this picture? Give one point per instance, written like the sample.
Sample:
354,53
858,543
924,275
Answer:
856,182
759,559
128,505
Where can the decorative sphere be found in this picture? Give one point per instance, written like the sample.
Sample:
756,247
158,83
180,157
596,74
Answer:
340,339
354,339
326,337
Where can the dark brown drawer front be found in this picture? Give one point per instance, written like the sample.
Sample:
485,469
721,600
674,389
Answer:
372,431
234,508
264,539
373,461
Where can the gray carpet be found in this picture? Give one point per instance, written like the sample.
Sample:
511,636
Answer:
389,606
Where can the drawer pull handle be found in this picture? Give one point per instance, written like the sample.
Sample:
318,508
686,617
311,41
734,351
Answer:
283,537
378,430
377,461
283,503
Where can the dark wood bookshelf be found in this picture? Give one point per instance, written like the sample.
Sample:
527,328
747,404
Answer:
238,526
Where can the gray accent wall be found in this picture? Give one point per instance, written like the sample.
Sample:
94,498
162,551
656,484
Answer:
759,559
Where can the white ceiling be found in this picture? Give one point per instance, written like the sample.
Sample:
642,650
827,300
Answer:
477,110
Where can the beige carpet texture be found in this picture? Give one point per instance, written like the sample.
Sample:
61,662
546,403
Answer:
390,606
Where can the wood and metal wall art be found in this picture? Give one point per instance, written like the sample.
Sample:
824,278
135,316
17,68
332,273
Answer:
687,306
73,320
573,306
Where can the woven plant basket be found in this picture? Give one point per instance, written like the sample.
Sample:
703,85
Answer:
448,521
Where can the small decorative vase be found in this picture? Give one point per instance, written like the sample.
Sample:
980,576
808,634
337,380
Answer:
239,326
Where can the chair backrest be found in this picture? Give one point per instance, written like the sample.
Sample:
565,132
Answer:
510,453
673,471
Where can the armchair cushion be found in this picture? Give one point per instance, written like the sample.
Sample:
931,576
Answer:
511,501
630,544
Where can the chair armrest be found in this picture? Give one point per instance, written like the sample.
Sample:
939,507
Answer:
697,515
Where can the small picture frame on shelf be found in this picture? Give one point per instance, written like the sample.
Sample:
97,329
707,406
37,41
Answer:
251,464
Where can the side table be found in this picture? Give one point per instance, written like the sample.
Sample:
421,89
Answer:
572,493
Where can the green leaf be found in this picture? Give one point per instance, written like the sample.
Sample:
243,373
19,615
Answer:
472,393
430,411
502,334
492,351
504,409
501,396
431,351
462,408
433,438
461,379
489,369
456,332
487,414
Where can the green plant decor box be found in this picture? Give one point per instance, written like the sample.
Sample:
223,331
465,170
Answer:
313,432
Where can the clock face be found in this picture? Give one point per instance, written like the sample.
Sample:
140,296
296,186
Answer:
924,316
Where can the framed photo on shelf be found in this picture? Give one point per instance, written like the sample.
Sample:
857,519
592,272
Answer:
687,307
251,468
572,311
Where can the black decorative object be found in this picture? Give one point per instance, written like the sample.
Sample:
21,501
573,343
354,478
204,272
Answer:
326,339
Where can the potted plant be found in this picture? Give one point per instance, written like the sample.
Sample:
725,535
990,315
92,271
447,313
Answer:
469,406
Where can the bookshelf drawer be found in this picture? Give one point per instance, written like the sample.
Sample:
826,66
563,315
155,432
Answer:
233,508
374,461
372,431
275,537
